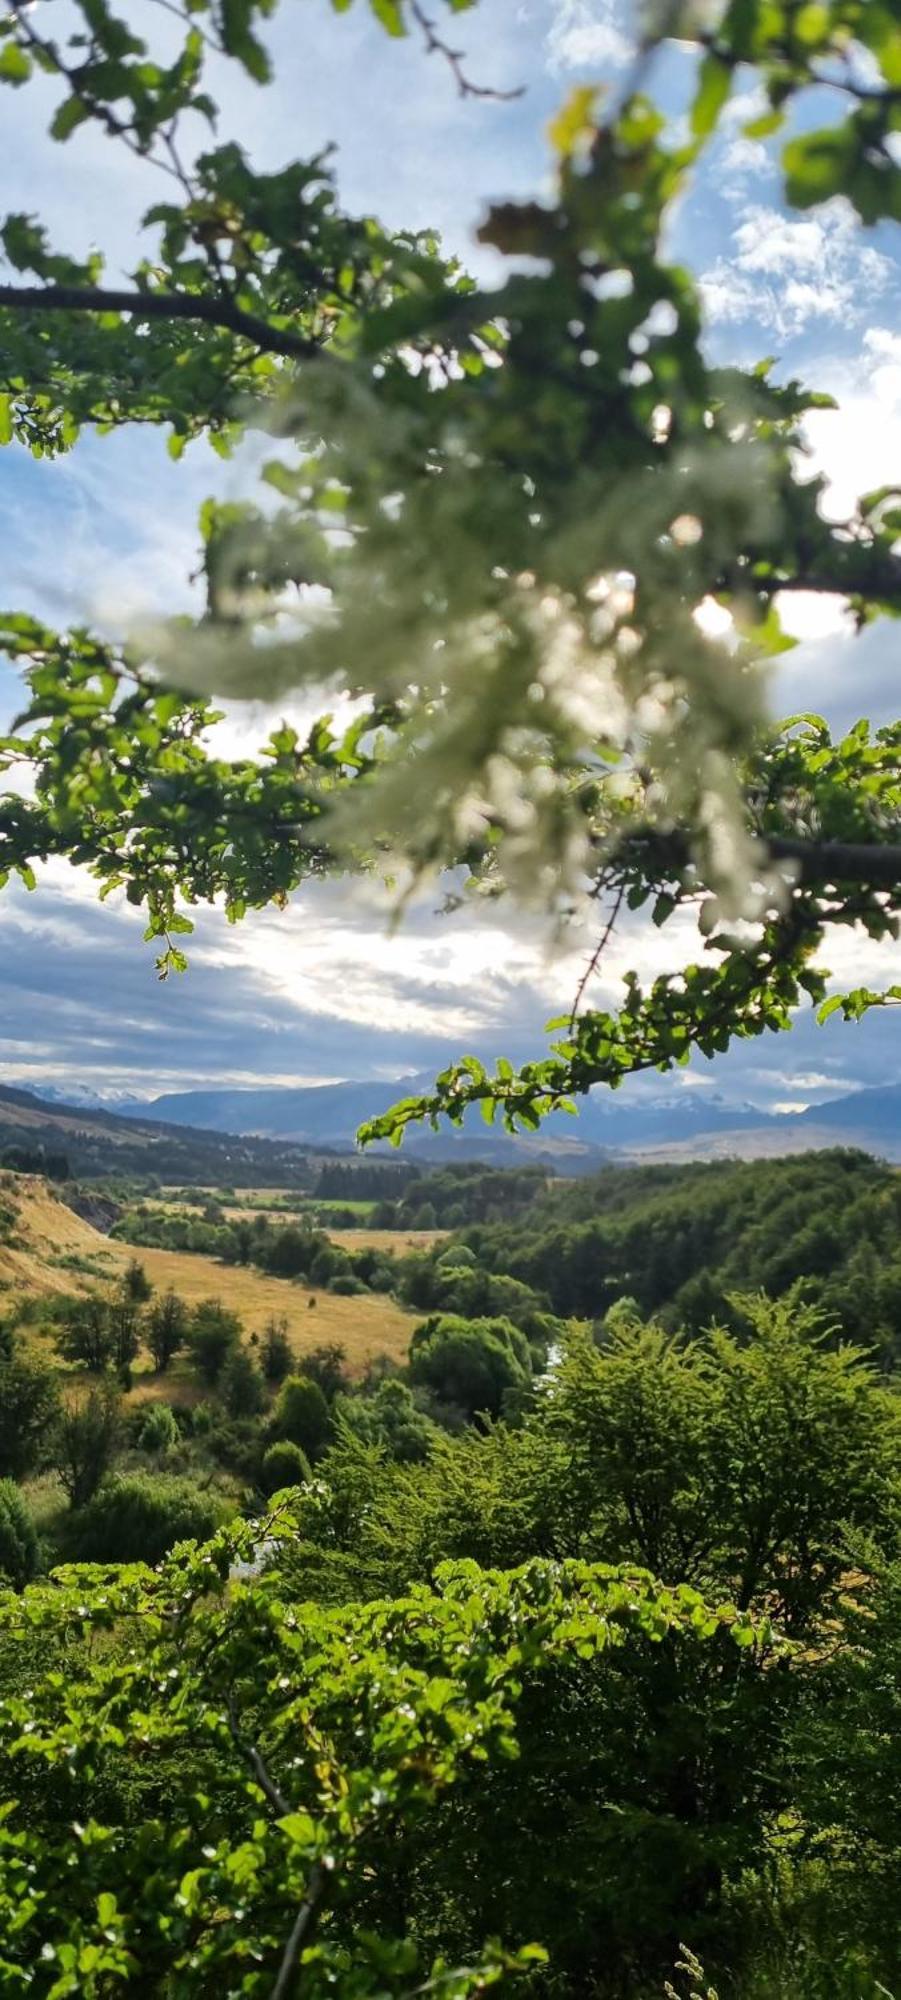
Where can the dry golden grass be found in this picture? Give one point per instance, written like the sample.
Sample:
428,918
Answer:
45,1231
398,1242
365,1326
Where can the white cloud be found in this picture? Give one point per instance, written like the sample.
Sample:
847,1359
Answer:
858,445
585,34
788,272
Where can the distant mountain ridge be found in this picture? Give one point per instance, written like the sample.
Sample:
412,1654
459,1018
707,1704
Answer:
688,1122
279,1127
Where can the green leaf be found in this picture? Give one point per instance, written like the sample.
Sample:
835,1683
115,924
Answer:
15,64
714,85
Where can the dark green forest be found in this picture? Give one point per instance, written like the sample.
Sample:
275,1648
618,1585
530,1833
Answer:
638,1407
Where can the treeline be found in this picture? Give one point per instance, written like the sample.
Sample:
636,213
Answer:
451,1197
822,1228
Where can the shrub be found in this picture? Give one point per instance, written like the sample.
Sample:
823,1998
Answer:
158,1430
284,1464
276,1354
242,1384
212,1335
167,1323
346,1285
87,1441
301,1415
135,1283
140,1517
327,1365
28,1410
471,1364
19,1548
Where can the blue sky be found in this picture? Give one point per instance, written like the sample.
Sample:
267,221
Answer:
107,534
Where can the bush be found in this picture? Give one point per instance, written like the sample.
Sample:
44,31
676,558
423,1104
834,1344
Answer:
346,1285
301,1415
213,1334
140,1517
241,1385
276,1353
284,1464
471,1364
327,1365
28,1411
167,1323
87,1440
158,1430
136,1283
19,1549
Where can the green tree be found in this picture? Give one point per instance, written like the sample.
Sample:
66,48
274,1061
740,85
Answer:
19,1546
473,1365
241,1384
301,1414
389,1417
393,1740
165,1329
212,1336
87,1441
28,1411
87,1335
284,1464
138,1518
158,1430
276,1353
136,1283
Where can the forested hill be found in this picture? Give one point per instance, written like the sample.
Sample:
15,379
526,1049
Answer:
679,1240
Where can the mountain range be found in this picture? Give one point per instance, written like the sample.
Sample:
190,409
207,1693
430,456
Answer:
273,1131
676,1124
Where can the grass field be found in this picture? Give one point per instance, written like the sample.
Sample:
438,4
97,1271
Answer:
396,1241
365,1326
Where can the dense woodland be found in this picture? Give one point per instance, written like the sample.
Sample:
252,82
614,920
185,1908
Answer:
625,1379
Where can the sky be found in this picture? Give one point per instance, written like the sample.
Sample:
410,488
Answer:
107,534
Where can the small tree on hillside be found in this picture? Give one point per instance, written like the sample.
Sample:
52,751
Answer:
29,1407
473,1365
166,1328
212,1335
87,1441
136,1284
301,1414
19,1547
276,1354
327,1365
87,1336
241,1384
125,1326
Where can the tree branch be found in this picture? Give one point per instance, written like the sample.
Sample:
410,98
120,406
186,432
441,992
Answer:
871,866
219,312
319,1876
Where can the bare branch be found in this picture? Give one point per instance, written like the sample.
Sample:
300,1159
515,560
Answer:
319,1876
455,58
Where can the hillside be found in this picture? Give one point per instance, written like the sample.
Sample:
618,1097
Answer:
50,1250
99,1143
44,1246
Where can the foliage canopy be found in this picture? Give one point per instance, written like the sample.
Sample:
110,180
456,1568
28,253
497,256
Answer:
546,487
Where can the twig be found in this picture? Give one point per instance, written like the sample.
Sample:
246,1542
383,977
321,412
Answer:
319,1876
597,954
455,58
